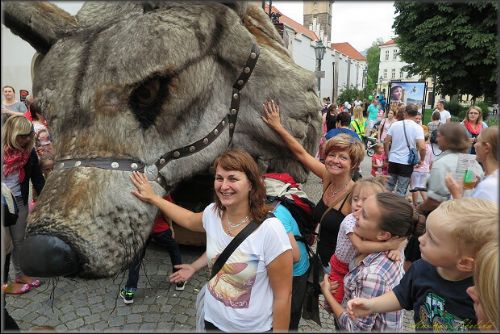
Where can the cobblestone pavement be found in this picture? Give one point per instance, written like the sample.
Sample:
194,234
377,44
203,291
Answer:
93,305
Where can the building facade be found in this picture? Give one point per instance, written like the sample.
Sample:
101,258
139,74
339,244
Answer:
391,69
342,64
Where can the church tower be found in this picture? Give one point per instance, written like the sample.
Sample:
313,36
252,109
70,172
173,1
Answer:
318,18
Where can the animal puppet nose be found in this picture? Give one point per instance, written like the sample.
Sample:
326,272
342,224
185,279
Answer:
47,256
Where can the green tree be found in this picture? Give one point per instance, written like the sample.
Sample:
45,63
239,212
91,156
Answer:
373,60
455,41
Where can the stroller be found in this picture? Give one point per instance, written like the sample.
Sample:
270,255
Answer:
371,140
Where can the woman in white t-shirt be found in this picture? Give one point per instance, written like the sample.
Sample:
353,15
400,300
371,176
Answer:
487,154
252,291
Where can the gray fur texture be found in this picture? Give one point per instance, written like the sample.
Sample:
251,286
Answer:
88,67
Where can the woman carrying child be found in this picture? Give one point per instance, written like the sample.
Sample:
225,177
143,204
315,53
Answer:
384,216
349,244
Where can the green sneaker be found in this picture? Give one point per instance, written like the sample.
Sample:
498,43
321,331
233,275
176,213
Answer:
127,295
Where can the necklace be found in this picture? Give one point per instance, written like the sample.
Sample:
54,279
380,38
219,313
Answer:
231,226
333,193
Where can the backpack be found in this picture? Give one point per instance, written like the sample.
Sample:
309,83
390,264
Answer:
281,188
434,134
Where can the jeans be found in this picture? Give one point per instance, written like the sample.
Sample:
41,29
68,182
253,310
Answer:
399,177
401,184
163,238
18,231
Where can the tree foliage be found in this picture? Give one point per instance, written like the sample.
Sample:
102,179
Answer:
454,41
373,60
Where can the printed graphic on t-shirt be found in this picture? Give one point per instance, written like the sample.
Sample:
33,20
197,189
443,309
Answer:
434,316
233,284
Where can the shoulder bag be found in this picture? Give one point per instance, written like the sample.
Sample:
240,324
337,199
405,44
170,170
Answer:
219,263
414,158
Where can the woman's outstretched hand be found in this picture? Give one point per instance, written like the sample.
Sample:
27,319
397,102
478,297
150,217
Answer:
144,190
271,114
184,272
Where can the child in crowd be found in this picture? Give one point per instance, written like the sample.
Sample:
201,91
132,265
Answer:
349,245
435,286
43,144
484,293
421,173
379,161
163,234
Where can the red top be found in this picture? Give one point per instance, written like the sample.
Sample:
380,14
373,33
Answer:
161,224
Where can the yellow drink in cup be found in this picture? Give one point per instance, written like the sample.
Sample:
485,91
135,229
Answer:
469,180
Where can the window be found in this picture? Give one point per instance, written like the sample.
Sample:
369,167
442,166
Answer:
401,74
393,73
395,54
386,54
385,74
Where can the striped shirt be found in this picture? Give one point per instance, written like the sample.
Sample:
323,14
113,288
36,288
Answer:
375,275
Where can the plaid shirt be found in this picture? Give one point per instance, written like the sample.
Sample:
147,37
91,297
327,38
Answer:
375,275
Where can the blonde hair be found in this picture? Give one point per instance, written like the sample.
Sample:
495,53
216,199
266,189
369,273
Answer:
486,281
377,183
345,142
473,222
490,136
17,125
358,112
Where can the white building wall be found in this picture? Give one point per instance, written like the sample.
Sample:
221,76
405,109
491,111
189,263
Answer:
395,63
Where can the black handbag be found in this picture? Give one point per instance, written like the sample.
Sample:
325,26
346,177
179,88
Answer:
310,307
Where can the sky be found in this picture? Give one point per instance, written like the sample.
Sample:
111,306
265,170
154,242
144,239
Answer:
358,22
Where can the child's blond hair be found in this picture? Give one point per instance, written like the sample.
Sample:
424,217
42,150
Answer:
486,281
472,223
377,183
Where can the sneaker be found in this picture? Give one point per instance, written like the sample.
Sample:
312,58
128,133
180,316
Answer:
180,286
127,295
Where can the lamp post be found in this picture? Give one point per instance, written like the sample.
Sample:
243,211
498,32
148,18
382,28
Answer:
319,51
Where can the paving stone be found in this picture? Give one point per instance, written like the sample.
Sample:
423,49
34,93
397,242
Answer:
92,319
77,323
134,319
117,321
83,311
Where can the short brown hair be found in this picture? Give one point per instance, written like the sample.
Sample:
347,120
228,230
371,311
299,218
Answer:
241,161
455,136
345,142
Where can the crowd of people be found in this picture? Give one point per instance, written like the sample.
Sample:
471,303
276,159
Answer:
379,250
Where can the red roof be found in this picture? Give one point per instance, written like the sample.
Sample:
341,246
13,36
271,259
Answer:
348,50
297,27
389,42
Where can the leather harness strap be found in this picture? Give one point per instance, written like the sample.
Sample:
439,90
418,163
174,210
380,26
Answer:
152,171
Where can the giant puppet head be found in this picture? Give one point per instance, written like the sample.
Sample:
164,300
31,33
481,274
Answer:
160,87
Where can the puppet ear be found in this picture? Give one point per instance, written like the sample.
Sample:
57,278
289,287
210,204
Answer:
240,7
40,24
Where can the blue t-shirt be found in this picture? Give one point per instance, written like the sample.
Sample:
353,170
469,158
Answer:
333,132
290,225
437,304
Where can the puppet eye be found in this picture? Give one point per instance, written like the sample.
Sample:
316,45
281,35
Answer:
146,94
146,100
